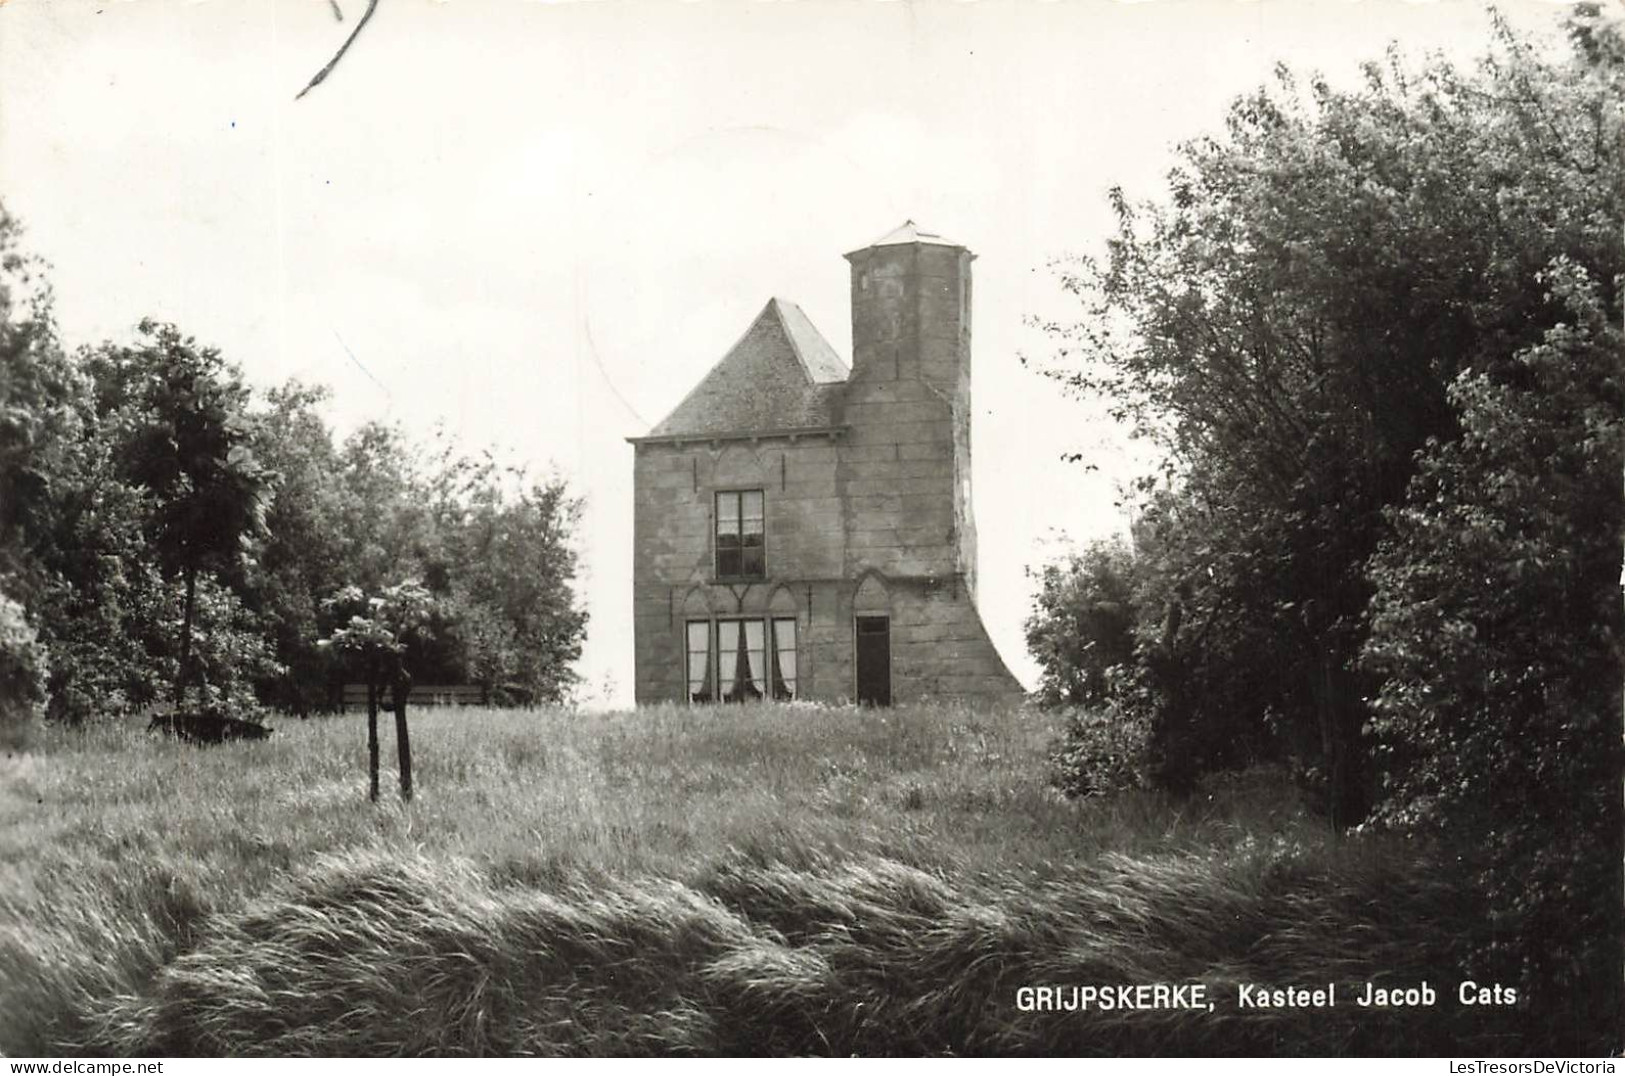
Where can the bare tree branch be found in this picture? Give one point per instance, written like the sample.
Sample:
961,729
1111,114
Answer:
372,5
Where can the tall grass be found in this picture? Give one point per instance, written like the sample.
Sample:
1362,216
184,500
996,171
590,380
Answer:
731,880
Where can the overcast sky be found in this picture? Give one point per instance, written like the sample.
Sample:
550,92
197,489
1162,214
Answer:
543,222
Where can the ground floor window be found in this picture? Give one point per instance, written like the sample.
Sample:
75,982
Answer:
784,658
699,661
740,660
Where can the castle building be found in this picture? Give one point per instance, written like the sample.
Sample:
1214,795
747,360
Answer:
802,530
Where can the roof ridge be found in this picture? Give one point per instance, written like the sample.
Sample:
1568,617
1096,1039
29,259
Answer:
777,305
793,334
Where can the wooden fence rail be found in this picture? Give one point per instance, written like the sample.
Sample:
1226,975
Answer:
355,696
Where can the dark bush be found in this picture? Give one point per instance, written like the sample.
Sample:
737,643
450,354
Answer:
22,675
1082,625
1497,629
211,725
1102,750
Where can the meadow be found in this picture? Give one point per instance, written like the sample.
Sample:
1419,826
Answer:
775,879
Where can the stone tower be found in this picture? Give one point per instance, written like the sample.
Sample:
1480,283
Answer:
908,405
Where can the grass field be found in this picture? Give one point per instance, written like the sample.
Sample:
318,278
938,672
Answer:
736,880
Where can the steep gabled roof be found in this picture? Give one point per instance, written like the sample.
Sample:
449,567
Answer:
781,375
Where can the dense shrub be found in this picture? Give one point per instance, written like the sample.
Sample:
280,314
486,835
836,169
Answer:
1102,750
1082,624
1122,637
1294,320
231,653
22,675
1497,629
165,524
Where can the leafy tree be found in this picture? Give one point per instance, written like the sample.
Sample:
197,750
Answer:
376,638
493,548
1165,675
1497,632
157,527
1288,320
384,513
1378,333
304,556
70,544
185,437
1082,627
512,592
232,652
38,415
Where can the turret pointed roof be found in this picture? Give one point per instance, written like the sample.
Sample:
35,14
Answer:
904,234
909,232
782,375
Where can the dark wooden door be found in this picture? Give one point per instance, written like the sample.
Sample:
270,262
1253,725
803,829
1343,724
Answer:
874,660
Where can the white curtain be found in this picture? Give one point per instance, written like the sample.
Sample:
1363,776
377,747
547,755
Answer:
727,657
784,645
699,656
756,654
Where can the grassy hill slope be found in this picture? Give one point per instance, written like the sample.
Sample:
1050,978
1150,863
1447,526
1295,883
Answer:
759,880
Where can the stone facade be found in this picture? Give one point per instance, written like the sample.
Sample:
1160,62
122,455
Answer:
865,521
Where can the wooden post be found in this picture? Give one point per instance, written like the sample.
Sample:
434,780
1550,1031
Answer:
403,739
372,730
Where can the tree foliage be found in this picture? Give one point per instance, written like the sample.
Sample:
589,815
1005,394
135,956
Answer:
177,416
520,630
493,547
303,558
22,675
1496,629
162,523
39,414
1376,331
1081,630
1288,321
71,552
